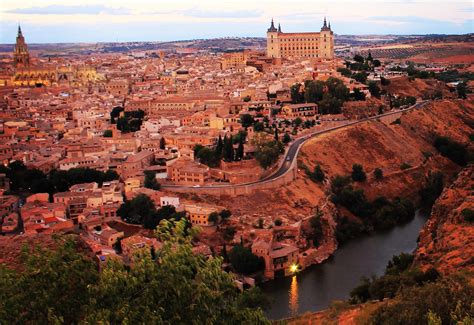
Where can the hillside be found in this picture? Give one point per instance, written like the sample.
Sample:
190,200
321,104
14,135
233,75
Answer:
373,144
417,88
447,239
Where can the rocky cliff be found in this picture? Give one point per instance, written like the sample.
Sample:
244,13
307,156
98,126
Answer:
447,240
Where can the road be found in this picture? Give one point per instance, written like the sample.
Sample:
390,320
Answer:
293,149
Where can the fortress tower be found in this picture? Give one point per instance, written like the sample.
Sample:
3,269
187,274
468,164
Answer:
21,57
300,45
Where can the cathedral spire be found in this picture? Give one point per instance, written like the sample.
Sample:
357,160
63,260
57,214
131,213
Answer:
19,30
325,25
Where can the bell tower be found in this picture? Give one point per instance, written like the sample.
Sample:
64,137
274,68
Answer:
21,57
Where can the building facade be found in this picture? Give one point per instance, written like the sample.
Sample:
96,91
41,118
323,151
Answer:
300,45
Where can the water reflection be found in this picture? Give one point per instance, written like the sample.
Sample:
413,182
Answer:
294,296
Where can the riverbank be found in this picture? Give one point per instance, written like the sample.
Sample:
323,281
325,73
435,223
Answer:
316,287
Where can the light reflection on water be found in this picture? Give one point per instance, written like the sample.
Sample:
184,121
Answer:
294,296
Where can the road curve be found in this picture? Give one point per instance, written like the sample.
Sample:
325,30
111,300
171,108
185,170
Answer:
292,152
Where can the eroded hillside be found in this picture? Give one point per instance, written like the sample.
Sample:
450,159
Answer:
447,239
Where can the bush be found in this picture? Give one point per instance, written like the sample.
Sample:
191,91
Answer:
431,189
107,134
378,173
452,150
468,214
405,166
278,222
358,173
317,175
244,261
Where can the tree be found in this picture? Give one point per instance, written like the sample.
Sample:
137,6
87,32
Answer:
179,287
258,127
150,180
286,138
453,150
208,157
228,150
360,77
316,228
107,134
317,175
225,214
314,91
219,146
276,134
244,261
137,210
358,173
374,89
239,155
358,95
247,99
246,120
376,63
431,190
359,58
267,153
378,173
162,143
213,217
297,96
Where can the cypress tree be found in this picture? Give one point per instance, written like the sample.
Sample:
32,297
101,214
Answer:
219,146
240,151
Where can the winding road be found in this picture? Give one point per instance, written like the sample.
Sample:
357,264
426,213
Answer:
292,152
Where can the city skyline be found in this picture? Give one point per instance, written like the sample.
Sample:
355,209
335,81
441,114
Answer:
103,21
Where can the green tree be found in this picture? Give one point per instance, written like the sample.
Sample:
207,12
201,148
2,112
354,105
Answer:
228,150
107,134
178,287
314,91
267,153
297,96
378,173
317,175
137,210
239,154
286,138
246,120
431,189
247,99
213,217
358,173
162,143
359,58
244,261
150,180
225,214
374,89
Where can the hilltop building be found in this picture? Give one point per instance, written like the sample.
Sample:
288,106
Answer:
27,74
21,56
300,45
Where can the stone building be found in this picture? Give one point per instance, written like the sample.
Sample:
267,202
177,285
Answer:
300,45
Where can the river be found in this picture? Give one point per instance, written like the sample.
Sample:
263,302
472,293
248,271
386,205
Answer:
314,288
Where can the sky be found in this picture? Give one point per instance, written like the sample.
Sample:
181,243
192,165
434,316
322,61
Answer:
55,21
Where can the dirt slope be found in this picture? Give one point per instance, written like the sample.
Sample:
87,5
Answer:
447,239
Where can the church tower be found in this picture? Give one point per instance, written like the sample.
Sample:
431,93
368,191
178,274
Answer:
21,57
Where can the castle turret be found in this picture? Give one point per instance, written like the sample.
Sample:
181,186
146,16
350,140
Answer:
273,42
272,28
279,28
326,41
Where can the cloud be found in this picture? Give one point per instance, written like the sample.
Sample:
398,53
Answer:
199,13
70,10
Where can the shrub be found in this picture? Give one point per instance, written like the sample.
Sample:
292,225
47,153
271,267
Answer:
358,173
405,166
378,173
452,150
468,215
244,261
